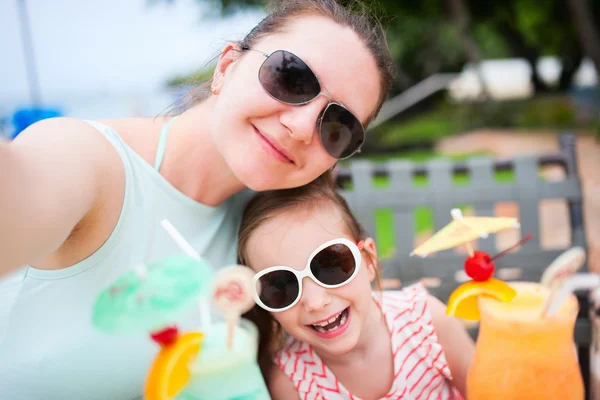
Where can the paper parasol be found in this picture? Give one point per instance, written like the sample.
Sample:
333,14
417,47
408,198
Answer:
463,230
149,300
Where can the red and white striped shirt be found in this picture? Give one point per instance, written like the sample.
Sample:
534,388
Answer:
420,367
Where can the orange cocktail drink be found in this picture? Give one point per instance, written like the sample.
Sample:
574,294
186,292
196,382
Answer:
521,354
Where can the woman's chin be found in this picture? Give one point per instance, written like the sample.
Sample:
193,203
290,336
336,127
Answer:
258,181
260,178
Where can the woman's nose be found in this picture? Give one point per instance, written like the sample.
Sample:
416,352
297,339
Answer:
314,297
302,120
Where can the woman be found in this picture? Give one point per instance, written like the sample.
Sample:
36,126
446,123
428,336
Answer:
82,200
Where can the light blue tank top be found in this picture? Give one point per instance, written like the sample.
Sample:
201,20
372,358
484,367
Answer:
48,347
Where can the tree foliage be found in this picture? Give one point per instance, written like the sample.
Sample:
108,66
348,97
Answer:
427,36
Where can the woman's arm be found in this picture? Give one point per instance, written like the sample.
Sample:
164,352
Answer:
456,342
50,178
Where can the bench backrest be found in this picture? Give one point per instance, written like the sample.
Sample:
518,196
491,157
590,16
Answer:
398,196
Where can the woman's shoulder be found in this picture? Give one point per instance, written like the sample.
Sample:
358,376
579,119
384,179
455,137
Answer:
65,130
86,140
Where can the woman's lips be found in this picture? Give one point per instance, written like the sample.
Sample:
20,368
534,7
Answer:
273,148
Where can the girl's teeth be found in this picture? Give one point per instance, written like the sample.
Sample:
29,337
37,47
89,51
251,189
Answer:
343,319
329,321
335,323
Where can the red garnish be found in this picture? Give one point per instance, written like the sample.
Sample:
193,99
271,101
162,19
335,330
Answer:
479,266
165,337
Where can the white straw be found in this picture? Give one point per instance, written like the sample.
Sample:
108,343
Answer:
575,282
141,270
189,250
177,238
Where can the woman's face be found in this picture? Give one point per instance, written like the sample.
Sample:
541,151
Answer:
272,145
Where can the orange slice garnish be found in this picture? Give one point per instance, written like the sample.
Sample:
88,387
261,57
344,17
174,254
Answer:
463,300
170,371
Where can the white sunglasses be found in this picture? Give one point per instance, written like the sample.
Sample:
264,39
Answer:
333,264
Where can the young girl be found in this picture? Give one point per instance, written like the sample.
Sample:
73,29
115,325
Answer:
315,266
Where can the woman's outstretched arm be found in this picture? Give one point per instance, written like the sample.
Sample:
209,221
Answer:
50,178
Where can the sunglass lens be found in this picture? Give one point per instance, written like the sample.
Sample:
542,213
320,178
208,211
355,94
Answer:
279,289
342,134
288,79
333,265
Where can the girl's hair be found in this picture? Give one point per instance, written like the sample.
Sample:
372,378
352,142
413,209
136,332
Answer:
321,193
353,15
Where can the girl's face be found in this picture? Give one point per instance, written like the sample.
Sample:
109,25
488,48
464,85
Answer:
330,320
268,144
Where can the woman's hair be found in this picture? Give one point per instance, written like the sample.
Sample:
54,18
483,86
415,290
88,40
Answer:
319,194
353,15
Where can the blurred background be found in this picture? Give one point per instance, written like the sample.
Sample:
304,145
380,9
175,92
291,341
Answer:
110,58
462,64
497,77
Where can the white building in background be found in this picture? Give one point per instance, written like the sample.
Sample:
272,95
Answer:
510,79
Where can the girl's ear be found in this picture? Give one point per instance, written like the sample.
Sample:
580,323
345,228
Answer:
229,54
370,249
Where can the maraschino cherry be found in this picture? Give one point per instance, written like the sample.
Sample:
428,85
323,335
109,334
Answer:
480,266
166,336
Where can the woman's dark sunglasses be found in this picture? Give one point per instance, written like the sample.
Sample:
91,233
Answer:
288,79
333,264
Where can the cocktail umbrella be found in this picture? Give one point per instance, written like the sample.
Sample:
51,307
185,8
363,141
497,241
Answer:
463,230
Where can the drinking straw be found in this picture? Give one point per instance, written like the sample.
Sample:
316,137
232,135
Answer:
563,266
179,240
189,251
141,270
570,285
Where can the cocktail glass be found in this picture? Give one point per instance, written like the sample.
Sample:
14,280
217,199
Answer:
222,373
522,354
